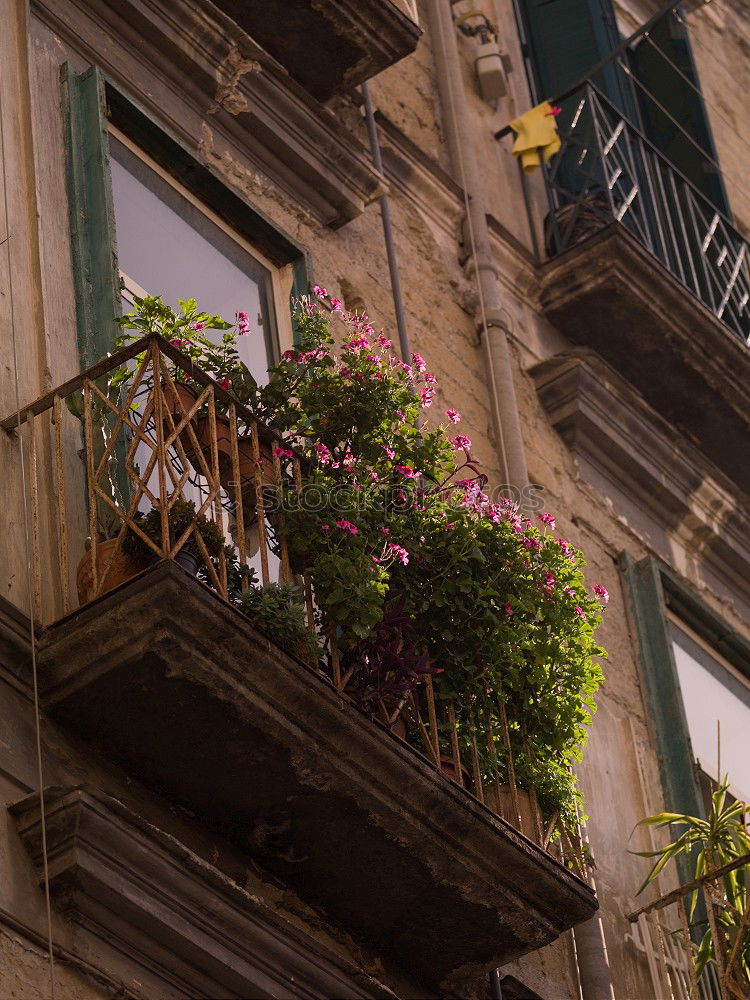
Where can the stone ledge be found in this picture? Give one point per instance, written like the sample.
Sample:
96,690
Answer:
610,294
179,689
657,475
269,119
149,896
328,46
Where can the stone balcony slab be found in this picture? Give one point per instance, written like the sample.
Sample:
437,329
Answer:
610,294
177,687
328,45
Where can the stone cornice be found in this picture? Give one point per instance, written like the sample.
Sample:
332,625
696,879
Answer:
135,886
352,819
611,429
182,55
610,294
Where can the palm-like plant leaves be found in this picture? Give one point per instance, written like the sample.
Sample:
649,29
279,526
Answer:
712,843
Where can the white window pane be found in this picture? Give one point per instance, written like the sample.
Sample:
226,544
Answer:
168,247
711,691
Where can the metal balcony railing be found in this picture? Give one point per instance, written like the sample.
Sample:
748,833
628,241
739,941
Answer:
146,446
607,171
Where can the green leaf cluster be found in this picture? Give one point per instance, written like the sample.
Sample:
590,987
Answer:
719,839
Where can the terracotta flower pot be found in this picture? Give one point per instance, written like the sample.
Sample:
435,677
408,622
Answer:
201,427
448,767
121,570
529,815
248,470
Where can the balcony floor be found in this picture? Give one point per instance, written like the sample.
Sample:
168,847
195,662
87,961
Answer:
178,688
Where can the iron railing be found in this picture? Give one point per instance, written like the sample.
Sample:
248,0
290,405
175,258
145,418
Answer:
168,433
607,171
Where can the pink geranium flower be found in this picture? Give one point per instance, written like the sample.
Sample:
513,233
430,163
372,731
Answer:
453,415
243,324
348,526
283,453
547,519
399,552
601,591
461,441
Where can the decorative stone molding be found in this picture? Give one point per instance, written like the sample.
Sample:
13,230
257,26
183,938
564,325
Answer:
328,46
212,87
610,294
198,704
166,919
666,487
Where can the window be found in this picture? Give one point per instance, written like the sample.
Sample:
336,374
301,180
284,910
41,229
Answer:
696,671
169,244
714,691
179,229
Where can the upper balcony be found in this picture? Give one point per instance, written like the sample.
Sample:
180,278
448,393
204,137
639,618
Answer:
329,46
395,823
644,269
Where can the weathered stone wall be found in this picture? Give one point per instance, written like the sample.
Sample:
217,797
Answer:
620,773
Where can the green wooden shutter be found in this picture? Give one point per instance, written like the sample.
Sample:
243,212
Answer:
301,285
661,77
567,38
662,687
92,224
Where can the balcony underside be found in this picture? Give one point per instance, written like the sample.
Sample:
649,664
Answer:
609,293
328,45
177,687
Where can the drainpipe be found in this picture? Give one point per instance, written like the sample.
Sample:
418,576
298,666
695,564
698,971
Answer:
491,319
594,973
390,246
596,981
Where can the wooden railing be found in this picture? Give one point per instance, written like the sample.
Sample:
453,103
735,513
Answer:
145,431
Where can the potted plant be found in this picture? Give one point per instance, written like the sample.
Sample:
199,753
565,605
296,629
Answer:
182,517
113,565
707,844
210,344
492,597
278,610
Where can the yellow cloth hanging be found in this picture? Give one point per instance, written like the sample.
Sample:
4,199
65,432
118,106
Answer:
536,130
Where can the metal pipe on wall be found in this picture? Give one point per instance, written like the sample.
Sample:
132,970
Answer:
390,246
594,973
595,978
491,319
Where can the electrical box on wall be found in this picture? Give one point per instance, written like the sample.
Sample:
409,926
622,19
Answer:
490,70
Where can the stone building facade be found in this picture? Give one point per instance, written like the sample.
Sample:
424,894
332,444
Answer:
614,360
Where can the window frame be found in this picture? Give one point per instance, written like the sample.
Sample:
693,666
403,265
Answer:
92,106
657,597
280,277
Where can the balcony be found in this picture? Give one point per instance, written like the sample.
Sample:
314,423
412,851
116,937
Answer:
393,833
641,267
329,46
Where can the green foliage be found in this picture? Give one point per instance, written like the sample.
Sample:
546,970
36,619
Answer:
278,610
393,513
392,507
181,516
709,844
188,330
